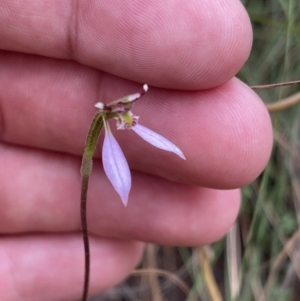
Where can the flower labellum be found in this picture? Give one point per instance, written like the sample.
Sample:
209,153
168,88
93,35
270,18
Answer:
113,159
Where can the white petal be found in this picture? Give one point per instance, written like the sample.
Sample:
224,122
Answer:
116,166
157,140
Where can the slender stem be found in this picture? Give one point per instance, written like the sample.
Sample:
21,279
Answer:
85,233
295,82
86,169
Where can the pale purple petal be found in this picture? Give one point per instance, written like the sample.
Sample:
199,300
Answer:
116,166
157,140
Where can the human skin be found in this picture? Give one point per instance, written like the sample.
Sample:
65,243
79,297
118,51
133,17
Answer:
57,59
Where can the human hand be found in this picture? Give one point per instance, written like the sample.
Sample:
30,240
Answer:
47,102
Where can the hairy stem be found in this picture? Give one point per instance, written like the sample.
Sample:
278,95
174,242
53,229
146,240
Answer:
85,233
86,169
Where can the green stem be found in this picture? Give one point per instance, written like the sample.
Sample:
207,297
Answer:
86,169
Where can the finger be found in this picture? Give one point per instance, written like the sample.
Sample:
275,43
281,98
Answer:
225,133
36,267
167,44
40,191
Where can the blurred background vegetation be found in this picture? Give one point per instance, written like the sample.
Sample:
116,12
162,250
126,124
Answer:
259,259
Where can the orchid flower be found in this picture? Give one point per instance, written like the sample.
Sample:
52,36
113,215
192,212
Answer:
113,159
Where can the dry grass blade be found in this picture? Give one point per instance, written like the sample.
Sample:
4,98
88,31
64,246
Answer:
286,251
284,103
158,272
257,289
234,260
209,278
151,263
